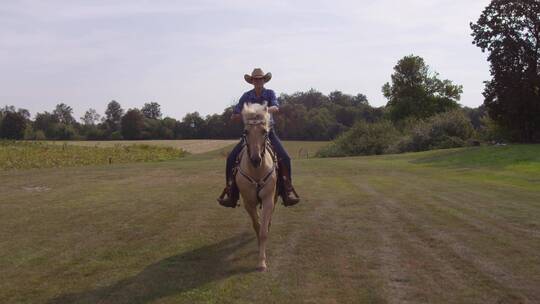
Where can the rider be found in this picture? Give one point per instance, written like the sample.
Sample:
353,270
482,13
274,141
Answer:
260,95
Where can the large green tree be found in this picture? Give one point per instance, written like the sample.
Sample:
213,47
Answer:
12,125
151,110
193,126
418,92
90,117
509,30
47,123
64,113
132,124
113,115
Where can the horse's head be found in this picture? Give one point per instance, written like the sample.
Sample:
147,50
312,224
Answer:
256,127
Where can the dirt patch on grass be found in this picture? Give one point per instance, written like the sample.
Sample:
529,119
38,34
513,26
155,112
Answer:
36,188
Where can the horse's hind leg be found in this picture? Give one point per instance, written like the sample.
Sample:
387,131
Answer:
252,211
267,209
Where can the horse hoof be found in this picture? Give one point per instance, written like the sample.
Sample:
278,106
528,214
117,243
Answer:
262,269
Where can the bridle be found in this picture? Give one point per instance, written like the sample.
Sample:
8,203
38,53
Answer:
259,184
254,122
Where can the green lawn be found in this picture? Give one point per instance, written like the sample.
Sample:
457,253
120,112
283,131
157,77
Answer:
448,226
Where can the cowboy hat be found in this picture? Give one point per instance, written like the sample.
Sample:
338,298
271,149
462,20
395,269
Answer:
258,73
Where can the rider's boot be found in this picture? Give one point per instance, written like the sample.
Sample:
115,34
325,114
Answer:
230,195
288,194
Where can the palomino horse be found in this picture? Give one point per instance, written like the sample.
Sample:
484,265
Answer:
257,174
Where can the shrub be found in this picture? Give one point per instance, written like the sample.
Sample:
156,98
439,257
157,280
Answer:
95,134
66,132
446,130
116,135
29,133
491,131
39,135
362,139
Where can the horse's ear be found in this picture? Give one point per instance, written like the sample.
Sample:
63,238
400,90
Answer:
266,106
245,107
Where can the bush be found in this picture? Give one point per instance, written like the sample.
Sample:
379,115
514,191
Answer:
94,133
39,135
116,135
446,130
491,131
66,132
29,133
362,139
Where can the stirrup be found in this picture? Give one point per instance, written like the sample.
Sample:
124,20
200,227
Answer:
286,197
228,201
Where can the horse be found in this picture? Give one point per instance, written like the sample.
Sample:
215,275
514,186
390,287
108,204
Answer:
257,174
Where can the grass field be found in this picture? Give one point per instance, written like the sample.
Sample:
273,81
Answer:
449,226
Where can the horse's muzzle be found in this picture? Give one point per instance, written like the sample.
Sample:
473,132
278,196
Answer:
256,161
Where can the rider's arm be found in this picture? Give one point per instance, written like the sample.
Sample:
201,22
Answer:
237,109
273,105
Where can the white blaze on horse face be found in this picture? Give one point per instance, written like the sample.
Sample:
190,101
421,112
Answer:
256,141
256,117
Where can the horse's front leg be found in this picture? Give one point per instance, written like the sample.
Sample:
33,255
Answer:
267,209
251,209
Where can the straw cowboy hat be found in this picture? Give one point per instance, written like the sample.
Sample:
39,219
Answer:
258,73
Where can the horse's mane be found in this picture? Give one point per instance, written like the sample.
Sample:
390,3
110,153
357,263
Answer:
253,112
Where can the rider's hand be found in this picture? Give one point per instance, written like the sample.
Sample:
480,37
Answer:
273,109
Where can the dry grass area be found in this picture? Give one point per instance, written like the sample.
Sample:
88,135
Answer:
194,146
413,228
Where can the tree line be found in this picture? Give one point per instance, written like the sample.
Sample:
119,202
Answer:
308,115
415,92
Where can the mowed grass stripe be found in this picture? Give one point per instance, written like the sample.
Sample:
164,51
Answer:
442,242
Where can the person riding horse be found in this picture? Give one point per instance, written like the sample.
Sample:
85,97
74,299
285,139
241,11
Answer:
260,95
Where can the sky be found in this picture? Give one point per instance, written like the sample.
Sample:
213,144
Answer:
191,55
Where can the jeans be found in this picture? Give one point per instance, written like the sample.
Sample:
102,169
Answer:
278,148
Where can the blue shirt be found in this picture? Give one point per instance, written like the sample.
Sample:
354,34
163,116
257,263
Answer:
250,97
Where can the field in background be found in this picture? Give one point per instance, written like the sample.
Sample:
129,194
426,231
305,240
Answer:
51,154
191,145
26,155
447,226
296,149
